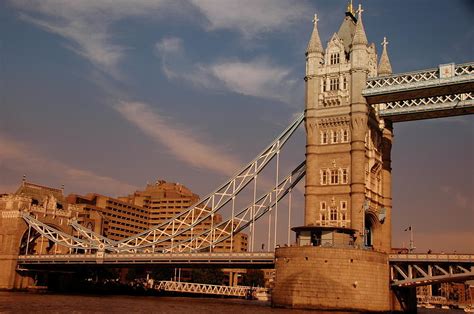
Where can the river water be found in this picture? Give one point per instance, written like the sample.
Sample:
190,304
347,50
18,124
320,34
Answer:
19,302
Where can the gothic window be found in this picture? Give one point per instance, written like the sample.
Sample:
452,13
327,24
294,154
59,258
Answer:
334,84
334,177
343,216
323,217
334,58
344,176
333,214
343,205
345,136
324,177
334,137
324,137
324,85
322,205
344,82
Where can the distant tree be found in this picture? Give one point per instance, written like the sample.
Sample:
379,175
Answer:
253,278
213,276
162,273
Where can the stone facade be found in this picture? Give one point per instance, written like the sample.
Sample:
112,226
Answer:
331,278
348,176
342,260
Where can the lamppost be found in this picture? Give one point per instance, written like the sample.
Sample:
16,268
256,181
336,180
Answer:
411,247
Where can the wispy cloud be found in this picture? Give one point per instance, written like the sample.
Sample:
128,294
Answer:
459,199
259,77
88,25
181,142
250,17
20,158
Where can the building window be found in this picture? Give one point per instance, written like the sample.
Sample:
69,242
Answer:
324,137
324,177
322,205
334,137
343,216
333,214
343,205
345,136
323,217
334,58
334,177
344,82
344,176
334,84
324,85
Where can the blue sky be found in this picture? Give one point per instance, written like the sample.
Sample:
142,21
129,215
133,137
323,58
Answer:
103,96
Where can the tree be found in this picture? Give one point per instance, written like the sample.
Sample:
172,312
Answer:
253,278
213,276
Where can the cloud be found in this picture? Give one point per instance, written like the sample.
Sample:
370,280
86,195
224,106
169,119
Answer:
22,159
181,142
251,17
459,199
258,77
87,25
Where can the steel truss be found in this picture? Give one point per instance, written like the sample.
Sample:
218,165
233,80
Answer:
189,287
242,219
417,79
426,269
185,222
212,203
455,101
59,237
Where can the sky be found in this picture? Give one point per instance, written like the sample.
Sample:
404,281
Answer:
104,96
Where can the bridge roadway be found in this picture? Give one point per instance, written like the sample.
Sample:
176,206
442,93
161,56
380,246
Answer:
406,270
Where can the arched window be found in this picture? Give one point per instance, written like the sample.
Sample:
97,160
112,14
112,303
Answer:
324,177
334,84
324,137
334,137
344,176
345,136
334,177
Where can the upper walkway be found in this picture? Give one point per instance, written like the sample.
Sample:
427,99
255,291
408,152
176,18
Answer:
445,91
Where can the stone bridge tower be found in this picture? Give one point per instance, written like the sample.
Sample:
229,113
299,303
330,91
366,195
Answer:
341,260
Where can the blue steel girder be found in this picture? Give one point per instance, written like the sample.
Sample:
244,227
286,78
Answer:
411,270
445,91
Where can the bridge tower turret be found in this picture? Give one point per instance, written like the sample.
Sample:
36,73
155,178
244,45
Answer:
341,253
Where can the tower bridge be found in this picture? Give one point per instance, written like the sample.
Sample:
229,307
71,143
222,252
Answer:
342,253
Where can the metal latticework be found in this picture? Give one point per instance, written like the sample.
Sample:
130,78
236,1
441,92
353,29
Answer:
241,219
381,83
425,104
168,236
424,269
190,287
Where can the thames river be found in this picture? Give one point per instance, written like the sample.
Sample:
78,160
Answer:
18,302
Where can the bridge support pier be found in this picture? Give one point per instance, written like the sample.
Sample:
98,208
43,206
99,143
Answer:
12,228
343,279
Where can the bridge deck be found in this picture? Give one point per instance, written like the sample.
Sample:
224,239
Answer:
260,259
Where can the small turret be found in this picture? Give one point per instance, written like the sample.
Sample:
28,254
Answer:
314,45
385,68
360,38
314,52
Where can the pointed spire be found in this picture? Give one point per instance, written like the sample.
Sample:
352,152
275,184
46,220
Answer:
385,68
314,44
359,36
